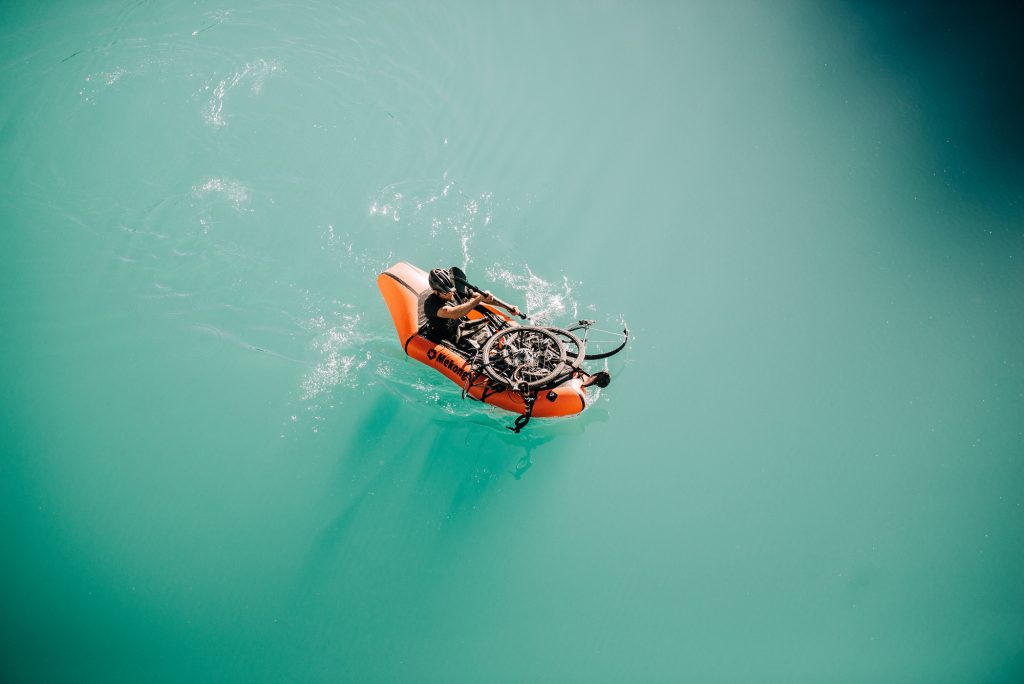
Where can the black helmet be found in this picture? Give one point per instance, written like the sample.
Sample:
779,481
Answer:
441,280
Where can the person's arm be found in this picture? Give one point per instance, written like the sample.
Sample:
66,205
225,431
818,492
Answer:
514,310
491,299
455,311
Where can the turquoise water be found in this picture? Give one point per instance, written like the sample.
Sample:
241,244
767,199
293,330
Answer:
219,466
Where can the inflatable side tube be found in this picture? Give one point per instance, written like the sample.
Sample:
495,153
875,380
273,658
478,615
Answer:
567,399
403,286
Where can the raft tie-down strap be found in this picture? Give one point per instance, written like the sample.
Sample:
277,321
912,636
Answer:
471,376
528,398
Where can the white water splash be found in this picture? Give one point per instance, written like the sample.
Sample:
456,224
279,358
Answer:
388,207
439,207
544,301
96,83
233,191
341,355
108,78
254,74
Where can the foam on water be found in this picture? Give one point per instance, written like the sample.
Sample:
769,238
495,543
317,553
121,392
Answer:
342,354
437,210
546,301
231,190
252,75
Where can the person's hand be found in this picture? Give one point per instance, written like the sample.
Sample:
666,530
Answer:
516,312
488,298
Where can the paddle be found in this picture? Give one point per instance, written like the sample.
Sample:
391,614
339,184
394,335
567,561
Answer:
460,280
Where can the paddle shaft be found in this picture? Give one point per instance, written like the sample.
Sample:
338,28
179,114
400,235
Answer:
460,277
495,300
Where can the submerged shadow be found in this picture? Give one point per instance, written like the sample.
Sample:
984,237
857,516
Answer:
406,472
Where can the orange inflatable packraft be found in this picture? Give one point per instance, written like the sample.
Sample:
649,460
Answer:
404,288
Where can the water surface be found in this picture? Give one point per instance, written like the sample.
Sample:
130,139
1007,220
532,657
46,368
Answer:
219,466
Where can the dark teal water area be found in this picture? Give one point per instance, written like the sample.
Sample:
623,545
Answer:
217,465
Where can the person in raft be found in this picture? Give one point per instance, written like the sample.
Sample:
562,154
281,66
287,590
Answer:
446,311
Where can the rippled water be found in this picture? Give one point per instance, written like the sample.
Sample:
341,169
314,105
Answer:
218,464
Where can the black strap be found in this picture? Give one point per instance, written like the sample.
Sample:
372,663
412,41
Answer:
522,420
520,423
